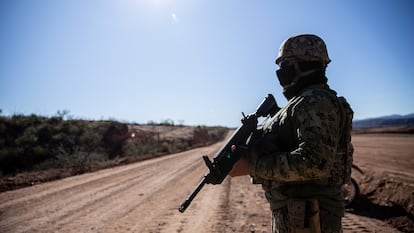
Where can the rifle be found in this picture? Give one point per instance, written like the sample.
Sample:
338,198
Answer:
224,159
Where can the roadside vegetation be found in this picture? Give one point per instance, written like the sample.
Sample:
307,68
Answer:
35,148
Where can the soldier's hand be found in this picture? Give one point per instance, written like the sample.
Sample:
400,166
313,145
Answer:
241,167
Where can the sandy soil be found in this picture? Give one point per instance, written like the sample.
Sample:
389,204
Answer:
144,197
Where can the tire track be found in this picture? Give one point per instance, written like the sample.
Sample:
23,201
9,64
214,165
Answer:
160,213
359,224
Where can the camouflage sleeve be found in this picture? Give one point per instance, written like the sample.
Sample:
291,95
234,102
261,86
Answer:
315,120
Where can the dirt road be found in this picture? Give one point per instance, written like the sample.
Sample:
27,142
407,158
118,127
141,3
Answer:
144,197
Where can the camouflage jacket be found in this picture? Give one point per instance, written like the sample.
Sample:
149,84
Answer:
306,144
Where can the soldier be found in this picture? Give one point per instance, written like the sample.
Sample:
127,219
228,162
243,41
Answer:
303,154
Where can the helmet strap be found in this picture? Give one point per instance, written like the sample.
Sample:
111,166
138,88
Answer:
303,80
299,74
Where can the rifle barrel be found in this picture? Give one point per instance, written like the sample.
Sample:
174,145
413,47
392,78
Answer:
190,197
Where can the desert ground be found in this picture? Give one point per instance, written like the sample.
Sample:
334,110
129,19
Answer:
145,196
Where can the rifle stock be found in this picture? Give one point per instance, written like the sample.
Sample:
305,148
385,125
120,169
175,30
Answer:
224,159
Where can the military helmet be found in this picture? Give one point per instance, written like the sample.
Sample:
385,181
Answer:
304,47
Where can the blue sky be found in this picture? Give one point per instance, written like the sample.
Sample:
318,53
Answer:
195,61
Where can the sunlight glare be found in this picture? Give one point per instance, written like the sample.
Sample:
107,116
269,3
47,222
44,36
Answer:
174,17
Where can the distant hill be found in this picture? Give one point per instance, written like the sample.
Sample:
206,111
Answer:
385,121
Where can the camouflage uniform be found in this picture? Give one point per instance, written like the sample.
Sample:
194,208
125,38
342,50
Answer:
304,153
309,161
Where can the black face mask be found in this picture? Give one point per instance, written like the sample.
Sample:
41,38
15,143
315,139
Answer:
286,75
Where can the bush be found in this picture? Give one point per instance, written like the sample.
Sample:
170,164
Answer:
29,142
